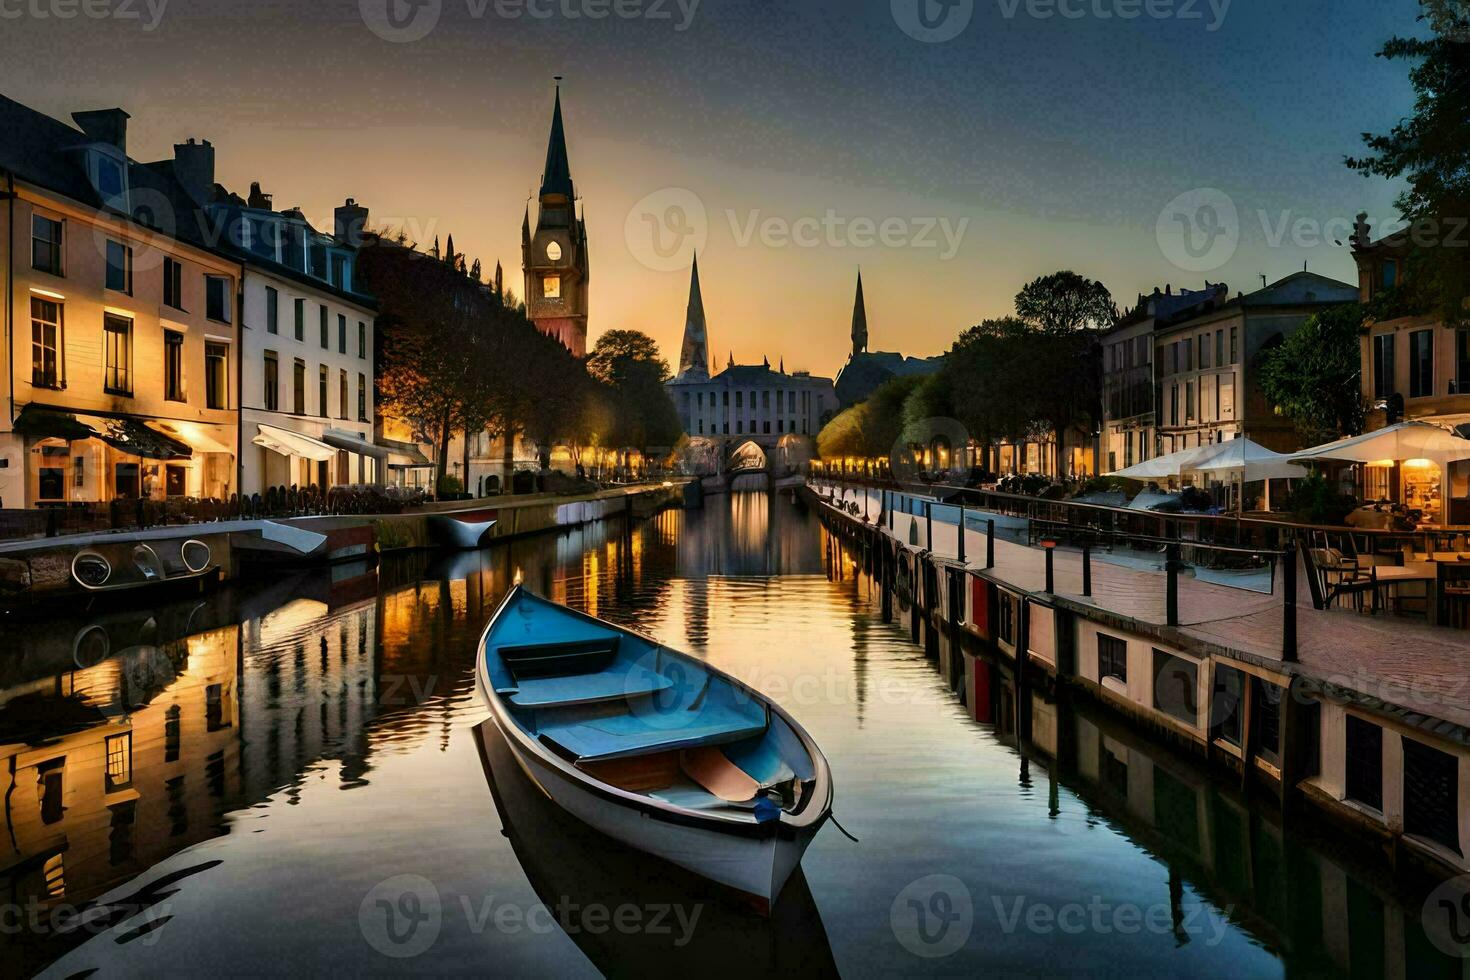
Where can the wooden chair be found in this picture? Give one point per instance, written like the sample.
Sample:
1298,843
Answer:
1452,588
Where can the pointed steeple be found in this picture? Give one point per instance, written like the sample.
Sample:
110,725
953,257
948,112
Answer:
694,358
859,320
783,365
526,228
450,257
437,254
499,280
732,359
556,178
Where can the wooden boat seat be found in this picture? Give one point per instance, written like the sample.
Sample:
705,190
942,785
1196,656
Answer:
620,736
561,658
710,768
607,685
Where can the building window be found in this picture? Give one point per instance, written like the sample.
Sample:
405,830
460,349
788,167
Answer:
1462,361
551,287
1364,762
217,298
301,320
1005,618
79,472
214,708
321,385
1390,274
50,776
1227,704
361,340
1219,348
298,387
272,374
1204,351
1383,367
1421,364
1112,657
342,393
117,343
119,268
172,732
1431,794
362,415
326,330
119,762
173,284
272,310
341,334
1189,401
46,242
1176,687
339,271
217,375
740,427
45,343
173,366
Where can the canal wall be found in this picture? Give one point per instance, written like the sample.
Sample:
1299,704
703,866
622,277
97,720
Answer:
1349,733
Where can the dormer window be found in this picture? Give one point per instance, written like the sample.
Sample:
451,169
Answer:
109,177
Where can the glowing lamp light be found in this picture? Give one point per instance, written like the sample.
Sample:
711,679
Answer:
519,577
1420,464
1048,544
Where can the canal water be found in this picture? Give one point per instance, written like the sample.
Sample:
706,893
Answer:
295,777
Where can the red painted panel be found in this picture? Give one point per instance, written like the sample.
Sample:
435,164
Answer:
980,691
980,606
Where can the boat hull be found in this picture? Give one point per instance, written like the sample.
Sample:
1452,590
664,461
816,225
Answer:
755,866
454,533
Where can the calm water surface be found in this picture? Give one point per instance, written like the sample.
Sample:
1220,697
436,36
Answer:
294,778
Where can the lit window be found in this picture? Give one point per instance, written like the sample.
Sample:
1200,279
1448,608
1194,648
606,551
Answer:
216,375
117,342
551,287
45,343
119,762
173,366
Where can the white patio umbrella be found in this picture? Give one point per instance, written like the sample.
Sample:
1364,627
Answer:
1250,460
1406,440
1161,467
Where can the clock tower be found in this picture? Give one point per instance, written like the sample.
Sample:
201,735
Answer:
554,254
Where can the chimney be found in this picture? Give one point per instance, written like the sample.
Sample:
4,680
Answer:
351,220
259,199
194,169
104,126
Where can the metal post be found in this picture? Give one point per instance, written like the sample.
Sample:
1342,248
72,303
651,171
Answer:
1288,625
1051,578
1171,566
1087,570
929,525
990,543
962,534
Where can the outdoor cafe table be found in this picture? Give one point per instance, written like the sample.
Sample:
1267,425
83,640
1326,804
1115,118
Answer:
1389,576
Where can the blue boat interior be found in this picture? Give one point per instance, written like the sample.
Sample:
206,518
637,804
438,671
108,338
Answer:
639,717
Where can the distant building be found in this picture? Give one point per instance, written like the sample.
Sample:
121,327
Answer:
744,402
1419,363
866,372
1205,361
554,255
122,380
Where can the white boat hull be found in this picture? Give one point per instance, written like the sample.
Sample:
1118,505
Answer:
450,532
755,866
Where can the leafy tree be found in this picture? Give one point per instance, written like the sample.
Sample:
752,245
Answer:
843,436
1430,150
629,364
1065,302
1314,376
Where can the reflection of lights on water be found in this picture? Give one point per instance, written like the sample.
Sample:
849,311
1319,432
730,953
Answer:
519,577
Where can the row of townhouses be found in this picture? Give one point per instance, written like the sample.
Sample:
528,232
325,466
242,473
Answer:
166,338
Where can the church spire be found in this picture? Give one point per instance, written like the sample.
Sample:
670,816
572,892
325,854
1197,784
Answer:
694,358
859,321
557,177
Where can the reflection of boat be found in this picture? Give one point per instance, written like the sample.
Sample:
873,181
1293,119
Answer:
579,873
653,747
459,531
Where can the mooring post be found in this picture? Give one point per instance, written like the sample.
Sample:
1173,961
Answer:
1051,576
1171,566
929,525
962,534
1288,624
1087,570
990,543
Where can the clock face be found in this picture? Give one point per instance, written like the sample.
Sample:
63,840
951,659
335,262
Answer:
553,251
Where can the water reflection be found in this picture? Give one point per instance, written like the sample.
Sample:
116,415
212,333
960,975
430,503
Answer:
194,768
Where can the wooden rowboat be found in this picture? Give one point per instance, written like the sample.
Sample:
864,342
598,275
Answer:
653,747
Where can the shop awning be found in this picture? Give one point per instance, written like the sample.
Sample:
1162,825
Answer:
289,443
353,443
128,435
202,438
406,456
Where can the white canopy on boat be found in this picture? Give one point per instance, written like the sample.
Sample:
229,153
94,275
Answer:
1250,460
289,443
1406,440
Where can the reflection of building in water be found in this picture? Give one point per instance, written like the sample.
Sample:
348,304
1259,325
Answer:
107,770
749,534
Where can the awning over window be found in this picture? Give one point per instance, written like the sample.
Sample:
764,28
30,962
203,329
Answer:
128,435
289,443
202,438
353,443
406,456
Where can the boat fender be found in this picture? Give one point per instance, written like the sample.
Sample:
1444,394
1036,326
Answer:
767,810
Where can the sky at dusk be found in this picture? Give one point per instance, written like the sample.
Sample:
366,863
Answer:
791,141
